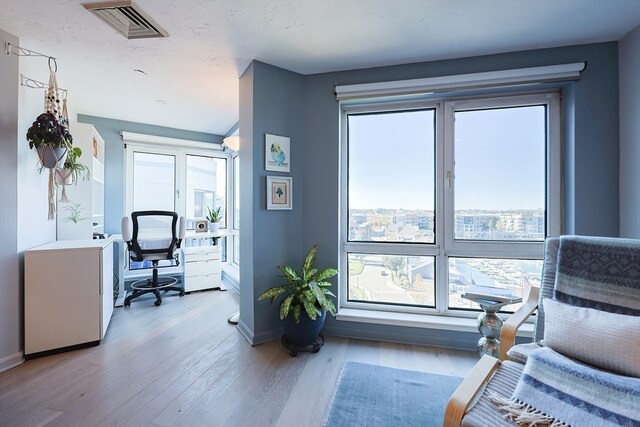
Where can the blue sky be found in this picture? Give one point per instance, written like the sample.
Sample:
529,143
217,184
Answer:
499,159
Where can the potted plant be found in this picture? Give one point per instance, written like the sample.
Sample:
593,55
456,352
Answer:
72,168
306,300
214,218
50,139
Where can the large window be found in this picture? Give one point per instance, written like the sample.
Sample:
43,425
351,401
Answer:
441,195
187,180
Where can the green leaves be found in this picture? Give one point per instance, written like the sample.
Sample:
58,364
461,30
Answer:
284,307
309,290
289,273
272,293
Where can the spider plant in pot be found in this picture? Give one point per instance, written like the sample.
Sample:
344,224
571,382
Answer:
214,218
306,302
50,139
72,169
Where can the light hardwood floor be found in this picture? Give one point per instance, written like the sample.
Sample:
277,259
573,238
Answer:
181,364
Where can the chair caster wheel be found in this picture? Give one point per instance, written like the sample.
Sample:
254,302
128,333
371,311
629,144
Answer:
127,303
157,303
181,293
293,353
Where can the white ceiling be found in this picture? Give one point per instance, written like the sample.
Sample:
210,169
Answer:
192,76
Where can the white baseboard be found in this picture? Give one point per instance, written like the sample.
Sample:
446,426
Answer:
11,361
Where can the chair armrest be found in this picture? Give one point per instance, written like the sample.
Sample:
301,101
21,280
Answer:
467,391
511,325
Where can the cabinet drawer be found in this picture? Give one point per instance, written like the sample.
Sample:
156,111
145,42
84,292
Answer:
201,282
202,268
201,253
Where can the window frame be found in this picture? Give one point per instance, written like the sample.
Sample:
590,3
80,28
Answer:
445,245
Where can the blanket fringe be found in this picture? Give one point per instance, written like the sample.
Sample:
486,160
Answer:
523,414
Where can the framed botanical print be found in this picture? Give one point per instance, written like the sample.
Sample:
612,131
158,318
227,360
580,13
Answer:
279,193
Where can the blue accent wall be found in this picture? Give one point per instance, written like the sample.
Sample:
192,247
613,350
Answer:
305,108
114,173
271,102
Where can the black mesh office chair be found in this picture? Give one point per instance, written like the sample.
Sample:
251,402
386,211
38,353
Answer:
155,237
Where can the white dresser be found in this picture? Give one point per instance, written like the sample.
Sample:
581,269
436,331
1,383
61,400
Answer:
202,268
68,294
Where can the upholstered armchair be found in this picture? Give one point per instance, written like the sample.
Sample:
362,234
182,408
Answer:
583,366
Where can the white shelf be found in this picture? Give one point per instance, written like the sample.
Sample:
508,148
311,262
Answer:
89,195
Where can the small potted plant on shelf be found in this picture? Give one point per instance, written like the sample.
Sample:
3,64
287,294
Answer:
214,218
51,140
306,302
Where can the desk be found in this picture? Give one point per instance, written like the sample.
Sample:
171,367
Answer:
199,264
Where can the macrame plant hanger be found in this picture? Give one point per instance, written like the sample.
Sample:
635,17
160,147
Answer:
64,174
52,105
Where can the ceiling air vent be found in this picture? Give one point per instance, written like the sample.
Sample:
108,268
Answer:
126,18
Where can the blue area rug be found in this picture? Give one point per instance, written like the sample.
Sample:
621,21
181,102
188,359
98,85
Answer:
377,396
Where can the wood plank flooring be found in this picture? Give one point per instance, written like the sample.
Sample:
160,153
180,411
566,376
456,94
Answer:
181,364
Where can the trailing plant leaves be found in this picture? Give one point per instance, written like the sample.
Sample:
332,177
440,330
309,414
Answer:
324,284
272,293
285,306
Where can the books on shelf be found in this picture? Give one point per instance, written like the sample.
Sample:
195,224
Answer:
491,293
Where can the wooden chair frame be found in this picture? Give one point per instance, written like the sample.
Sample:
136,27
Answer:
474,383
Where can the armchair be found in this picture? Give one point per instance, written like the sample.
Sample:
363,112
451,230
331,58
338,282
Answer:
588,317
156,236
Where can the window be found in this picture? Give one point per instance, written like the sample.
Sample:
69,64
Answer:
438,195
187,180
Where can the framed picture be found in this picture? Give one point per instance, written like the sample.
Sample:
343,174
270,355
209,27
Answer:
279,193
277,155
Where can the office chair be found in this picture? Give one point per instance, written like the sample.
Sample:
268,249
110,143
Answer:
155,237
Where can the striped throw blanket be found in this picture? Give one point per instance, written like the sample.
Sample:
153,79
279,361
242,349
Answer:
599,272
556,391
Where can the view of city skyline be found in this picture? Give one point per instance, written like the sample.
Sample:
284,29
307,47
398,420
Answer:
499,157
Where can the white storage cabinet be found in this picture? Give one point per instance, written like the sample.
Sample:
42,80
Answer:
68,294
201,268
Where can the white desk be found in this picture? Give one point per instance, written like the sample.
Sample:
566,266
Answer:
200,264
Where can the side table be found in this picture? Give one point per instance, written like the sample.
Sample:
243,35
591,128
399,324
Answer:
489,325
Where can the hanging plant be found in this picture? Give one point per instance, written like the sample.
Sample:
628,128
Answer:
51,139
71,171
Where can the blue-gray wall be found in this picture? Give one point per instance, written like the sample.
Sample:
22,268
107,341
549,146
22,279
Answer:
271,101
591,157
114,174
630,135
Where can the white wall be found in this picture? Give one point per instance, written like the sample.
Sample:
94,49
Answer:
10,289
26,215
33,227
629,66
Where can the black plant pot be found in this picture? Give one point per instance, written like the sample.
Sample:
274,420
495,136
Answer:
305,332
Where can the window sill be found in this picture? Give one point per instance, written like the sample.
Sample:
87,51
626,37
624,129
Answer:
427,321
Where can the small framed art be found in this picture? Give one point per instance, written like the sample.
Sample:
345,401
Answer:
279,193
277,153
